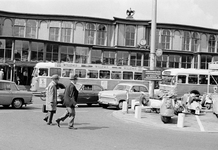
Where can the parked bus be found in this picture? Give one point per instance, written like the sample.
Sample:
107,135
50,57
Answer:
104,75
181,81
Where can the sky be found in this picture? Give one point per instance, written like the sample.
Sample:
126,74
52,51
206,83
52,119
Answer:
201,13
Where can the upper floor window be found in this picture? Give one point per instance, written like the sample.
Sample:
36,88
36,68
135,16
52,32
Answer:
67,53
186,61
82,54
186,40
31,27
109,57
130,35
211,44
122,57
135,59
101,35
165,39
54,31
52,52
66,32
161,61
195,42
37,51
19,27
90,33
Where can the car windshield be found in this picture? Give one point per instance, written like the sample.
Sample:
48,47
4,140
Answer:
14,87
122,87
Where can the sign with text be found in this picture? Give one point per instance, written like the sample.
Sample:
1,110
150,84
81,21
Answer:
152,75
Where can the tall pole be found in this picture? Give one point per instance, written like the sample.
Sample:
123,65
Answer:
152,50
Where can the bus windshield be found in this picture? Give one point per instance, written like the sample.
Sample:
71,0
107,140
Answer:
168,80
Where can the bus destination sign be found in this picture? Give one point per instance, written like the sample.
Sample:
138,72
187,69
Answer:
152,75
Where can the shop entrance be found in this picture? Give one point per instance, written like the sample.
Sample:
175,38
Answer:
23,75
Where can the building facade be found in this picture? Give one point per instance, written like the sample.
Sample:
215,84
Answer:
26,39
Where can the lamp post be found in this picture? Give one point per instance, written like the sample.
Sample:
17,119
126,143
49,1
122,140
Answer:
152,49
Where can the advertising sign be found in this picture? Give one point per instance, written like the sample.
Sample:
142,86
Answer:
152,75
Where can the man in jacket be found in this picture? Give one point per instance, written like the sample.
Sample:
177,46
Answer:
70,100
51,99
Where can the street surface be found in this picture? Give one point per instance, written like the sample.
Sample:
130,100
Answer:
98,129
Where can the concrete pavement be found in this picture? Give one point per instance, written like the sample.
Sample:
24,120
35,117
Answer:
205,122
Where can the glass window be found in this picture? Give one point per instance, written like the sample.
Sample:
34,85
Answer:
109,57
181,78
205,59
21,50
55,71
8,49
195,42
130,36
135,89
193,79
37,51
186,61
143,89
19,27
127,75
2,50
137,76
174,61
96,88
81,73
67,53
211,44
52,52
14,87
101,35
186,40
31,28
92,74
67,72
165,39
66,32
43,72
87,87
82,54
214,80
122,57
96,56
104,74
146,59
116,74
162,61
135,59
203,79
5,86
90,33
54,31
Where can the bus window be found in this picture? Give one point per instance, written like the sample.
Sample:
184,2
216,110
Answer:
92,74
127,75
116,75
192,79
181,78
80,72
137,76
67,72
213,80
203,79
104,74
43,72
55,71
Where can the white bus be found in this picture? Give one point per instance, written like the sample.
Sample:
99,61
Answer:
104,75
181,81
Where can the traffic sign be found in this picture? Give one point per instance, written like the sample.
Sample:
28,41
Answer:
152,75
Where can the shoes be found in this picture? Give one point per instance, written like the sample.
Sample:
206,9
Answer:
45,119
58,122
72,128
51,124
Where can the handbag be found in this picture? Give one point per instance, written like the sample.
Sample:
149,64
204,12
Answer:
44,108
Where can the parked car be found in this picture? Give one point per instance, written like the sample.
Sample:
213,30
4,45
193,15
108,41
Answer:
88,93
11,95
119,94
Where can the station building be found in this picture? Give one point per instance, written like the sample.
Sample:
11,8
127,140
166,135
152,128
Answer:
26,39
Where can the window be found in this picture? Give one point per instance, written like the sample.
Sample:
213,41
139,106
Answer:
130,36
186,41
174,61
101,35
214,80
96,56
135,89
43,72
195,42
96,88
37,51
162,61
127,75
14,87
181,79
67,72
90,33
92,74
205,59
193,79
2,50
67,53
203,79
19,27
87,87
211,44
31,29
122,57
54,31
21,50
8,49
143,89
81,73
135,59
52,52
55,71
108,57
104,74
81,54
5,86
196,61
165,39
66,32
116,74
137,76
186,61
146,59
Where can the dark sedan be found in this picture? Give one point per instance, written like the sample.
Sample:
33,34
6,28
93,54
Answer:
88,93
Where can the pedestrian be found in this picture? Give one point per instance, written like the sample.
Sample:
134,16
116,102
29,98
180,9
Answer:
51,99
1,74
70,100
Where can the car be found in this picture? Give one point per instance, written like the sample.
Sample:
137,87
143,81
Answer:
121,93
88,93
11,95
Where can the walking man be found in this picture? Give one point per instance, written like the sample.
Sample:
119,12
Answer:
51,99
70,100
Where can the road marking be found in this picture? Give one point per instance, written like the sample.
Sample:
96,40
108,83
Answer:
199,123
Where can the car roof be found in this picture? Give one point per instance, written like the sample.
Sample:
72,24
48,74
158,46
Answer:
6,81
131,84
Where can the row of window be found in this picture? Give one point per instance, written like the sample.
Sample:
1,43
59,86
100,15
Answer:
93,74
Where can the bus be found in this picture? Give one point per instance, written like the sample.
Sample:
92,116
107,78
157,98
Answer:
105,75
181,81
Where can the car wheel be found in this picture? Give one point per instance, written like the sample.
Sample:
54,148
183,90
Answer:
104,106
208,106
120,105
165,119
6,106
17,103
89,104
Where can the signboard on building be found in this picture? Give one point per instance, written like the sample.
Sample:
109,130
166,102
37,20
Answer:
152,75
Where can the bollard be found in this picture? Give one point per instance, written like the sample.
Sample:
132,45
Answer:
138,111
124,108
132,104
180,120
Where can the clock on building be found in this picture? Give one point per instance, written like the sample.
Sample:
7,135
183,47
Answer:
159,52
142,42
